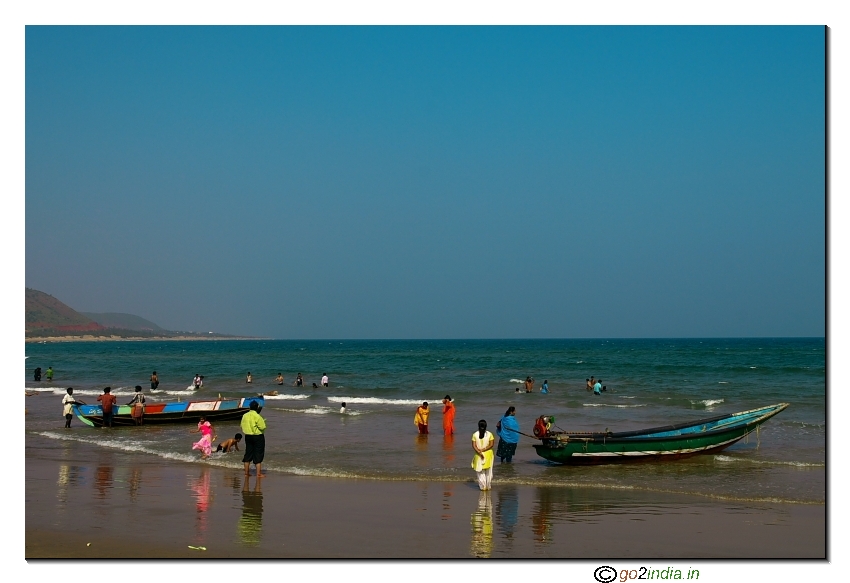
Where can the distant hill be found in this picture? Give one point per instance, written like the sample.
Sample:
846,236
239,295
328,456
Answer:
123,321
46,314
48,317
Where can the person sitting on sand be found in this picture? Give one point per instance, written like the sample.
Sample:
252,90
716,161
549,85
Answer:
279,379
248,379
230,444
421,418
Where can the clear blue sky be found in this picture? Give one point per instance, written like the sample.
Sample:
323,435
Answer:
431,182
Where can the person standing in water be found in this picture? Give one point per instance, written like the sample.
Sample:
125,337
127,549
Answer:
325,379
508,430
545,388
421,418
68,402
49,374
279,379
36,375
248,379
448,416
482,463
342,409
254,428
154,381
597,388
107,400
207,432
196,382
299,380
138,404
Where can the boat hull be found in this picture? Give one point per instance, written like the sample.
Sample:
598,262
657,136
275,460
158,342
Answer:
675,442
162,413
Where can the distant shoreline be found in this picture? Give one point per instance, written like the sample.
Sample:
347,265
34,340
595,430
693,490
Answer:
89,338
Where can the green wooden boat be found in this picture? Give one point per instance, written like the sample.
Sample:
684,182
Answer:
659,443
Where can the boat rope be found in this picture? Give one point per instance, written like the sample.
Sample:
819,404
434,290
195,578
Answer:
521,433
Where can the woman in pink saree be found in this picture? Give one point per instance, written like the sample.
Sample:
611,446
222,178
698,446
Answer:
207,432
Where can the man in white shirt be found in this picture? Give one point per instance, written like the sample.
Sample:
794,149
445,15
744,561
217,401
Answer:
324,379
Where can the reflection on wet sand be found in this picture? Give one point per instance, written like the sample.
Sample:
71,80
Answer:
541,524
103,480
447,508
482,527
449,450
200,488
507,510
135,481
251,522
68,476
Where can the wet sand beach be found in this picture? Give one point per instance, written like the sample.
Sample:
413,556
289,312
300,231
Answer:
86,502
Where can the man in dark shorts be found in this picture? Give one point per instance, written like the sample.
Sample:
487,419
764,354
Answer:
107,401
254,426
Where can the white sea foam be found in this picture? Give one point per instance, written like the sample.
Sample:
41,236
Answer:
727,459
722,382
311,411
610,405
516,381
708,402
286,397
377,401
625,397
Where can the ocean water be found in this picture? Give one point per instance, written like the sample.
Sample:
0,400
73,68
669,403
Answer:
650,382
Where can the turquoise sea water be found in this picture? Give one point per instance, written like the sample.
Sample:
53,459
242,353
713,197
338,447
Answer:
650,382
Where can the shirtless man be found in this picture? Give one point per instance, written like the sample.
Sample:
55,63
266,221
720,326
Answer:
279,379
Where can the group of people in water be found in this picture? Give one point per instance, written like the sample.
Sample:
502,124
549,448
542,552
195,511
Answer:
483,441
252,424
529,386
595,385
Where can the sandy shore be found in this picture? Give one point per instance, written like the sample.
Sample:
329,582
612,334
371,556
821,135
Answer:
88,503
89,338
